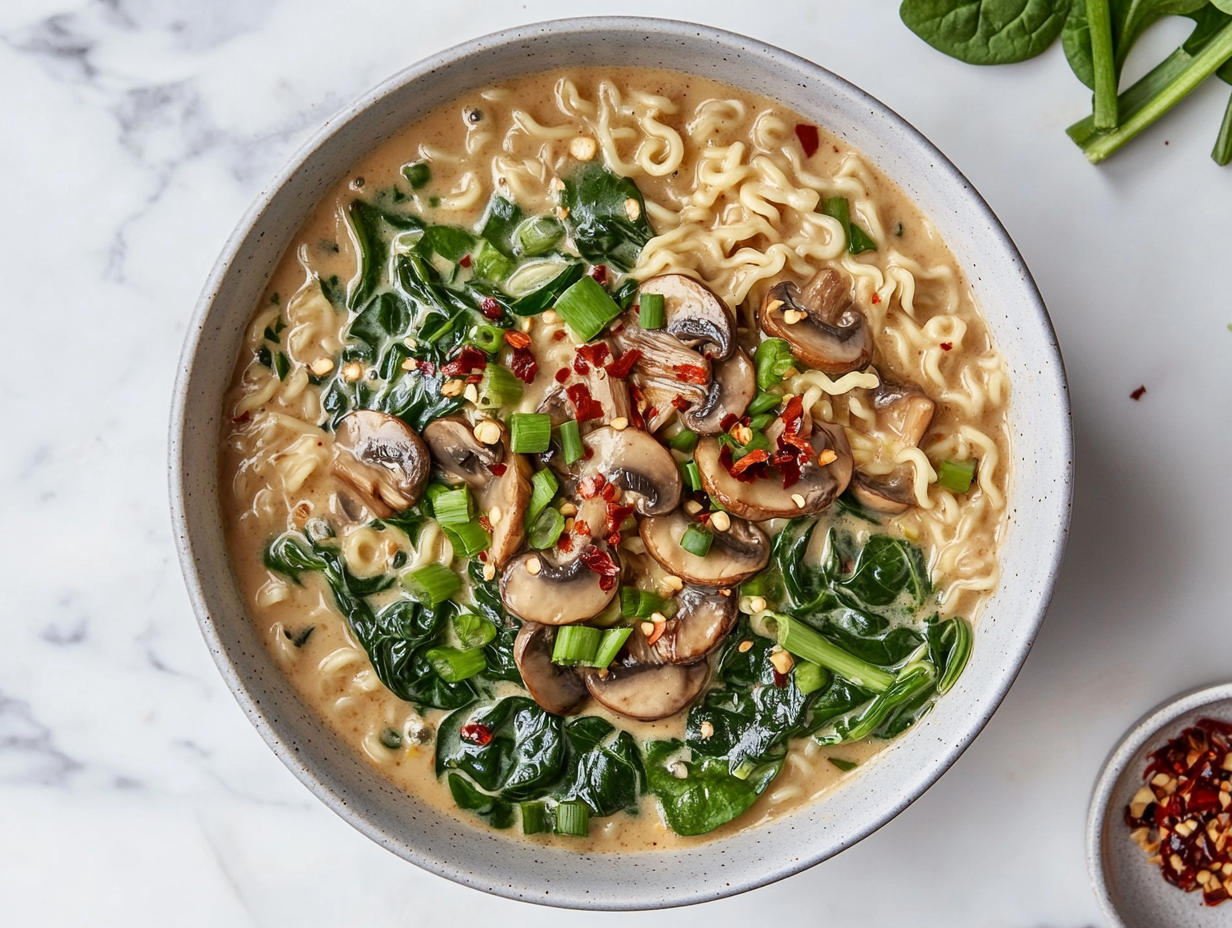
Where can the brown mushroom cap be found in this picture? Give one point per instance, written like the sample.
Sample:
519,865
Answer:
904,412
559,690
510,493
818,486
734,555
637,464
833,336
558,594
648,692
733,388
704,620
694,314
382,458
457,451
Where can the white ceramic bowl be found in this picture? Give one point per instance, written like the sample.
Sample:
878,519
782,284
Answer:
1040,492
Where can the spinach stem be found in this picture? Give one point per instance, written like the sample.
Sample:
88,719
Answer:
1223,145
1204,64
1099,20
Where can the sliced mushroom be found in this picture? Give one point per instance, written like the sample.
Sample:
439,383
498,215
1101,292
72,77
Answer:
382,459
905,413
556,404
457,451
610,393
559,690
734,386
829,332
466,459
648,692
819,484
694,314
734,555
537,588
637,464
704,620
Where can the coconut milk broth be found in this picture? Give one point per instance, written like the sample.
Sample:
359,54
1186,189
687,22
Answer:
330,669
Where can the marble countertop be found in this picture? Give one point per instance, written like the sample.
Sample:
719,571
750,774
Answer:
132,789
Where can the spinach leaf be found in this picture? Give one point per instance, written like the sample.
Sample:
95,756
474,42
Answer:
1130,19
498,653
497,811
986,31
872,638
290,554
500,223
600,218
372,228
838,698
545,297
886,569
450,242
385,317
750,716
707,796
513,746
602,771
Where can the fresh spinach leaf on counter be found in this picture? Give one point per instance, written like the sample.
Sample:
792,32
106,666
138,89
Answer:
606,216
986,31
708,795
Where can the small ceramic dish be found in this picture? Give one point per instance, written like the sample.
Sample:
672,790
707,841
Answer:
1131,891
1031,552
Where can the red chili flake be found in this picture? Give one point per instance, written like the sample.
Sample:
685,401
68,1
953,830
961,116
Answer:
797,442
470,359
760,456
584,405
1136,395
780,679
498,470
558,335
650,413
247,414
483,556
809,140
704,517
876,298
1193,796
475,378
679,402
793,415
580,365
728,421
591,486
599,273
691,373
490,308
787,462
476,733
600,562
427,367
466,261
623,366
609,492
616,515
596,353
581,527
639,412
523,365
563,374
588,453
606,583
516,339
947,346
487,525
564,542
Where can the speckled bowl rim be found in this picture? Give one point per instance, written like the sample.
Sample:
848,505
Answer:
753,857
1140,733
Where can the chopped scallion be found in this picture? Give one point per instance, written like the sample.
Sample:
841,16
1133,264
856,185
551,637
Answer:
809,644
546,529
538,235
453,665
467,539
586,309
956,476
498,388
543,487
453,507
571,441
473,631
489,338
535,818
491,265
691,475
432,583
696,540
529,432
763,402
609,646
651,306
576,644
641,604
809,677
684,440
573,819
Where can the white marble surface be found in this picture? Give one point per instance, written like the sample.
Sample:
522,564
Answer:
133,133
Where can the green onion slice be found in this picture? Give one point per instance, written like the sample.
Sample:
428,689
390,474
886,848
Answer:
535,818
453,665
432,583
956,476
573,818
696,540
453,507
809,644
543,487
529,432
609,646
546,529
651,306
499,387
576,644
571,441
587,309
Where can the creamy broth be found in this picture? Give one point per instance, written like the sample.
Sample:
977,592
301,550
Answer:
701,154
